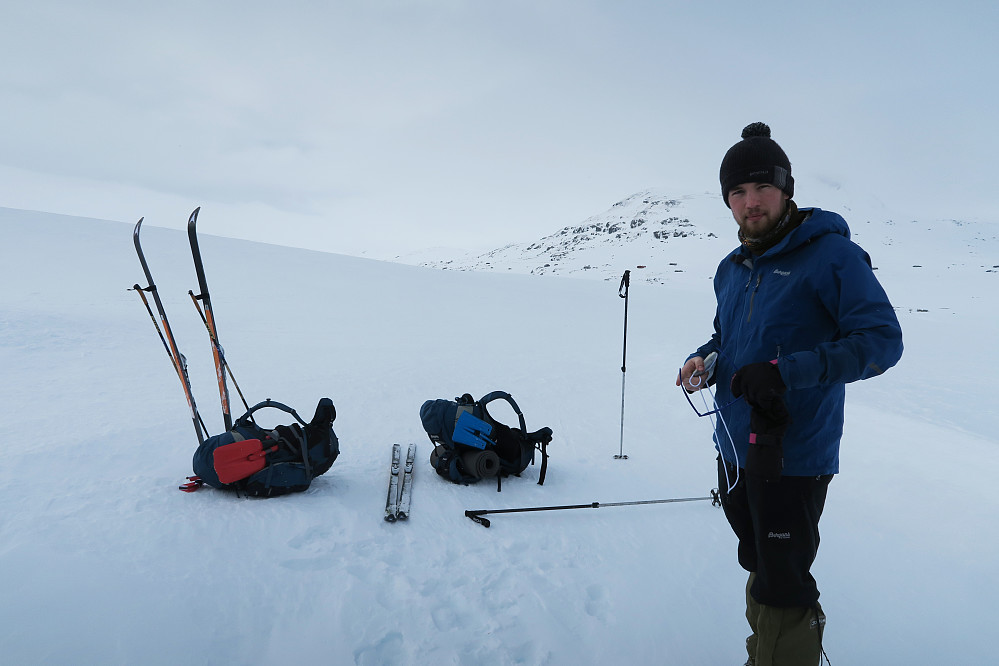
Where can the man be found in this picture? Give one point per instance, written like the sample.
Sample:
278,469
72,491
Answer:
799,315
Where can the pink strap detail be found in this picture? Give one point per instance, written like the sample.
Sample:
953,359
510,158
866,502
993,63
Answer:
752,438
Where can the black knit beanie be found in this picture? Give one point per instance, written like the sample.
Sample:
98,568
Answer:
756,159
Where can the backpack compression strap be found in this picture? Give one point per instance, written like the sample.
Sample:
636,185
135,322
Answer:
539,439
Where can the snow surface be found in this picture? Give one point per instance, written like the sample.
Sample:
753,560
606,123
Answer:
102,560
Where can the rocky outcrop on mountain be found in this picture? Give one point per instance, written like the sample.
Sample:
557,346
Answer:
645,231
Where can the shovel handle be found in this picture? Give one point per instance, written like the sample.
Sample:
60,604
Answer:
263,452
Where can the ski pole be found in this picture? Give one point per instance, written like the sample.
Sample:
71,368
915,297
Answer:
477,516
216,345
139,290
176,358
622,291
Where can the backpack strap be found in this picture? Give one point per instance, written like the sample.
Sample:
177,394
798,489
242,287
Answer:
525,437
503,395
295,439
247,418
541,437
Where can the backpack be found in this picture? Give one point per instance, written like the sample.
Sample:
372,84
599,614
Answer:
470,445
267,463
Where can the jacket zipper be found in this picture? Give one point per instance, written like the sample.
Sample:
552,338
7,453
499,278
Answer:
752,296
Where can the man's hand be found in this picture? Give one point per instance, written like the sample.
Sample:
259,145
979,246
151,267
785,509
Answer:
761,384
693,375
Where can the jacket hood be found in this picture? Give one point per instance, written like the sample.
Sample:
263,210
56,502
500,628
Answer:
817,223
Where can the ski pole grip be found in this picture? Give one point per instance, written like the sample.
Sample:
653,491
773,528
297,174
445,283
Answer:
622,290
478,517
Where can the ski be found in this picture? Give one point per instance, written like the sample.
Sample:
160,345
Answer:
177,359
392,502
406,491
209,317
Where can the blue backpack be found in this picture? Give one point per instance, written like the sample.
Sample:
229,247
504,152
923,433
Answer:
470,445
267,463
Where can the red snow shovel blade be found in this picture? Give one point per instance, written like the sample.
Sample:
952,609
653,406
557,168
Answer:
240,459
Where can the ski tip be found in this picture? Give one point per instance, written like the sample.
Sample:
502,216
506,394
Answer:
390,518
402,516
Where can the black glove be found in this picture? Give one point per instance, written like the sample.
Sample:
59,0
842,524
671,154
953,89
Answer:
765,457
763,388
772,422
761,384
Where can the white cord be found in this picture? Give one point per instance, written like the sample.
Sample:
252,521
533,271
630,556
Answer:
728,481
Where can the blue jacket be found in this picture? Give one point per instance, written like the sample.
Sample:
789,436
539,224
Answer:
813,303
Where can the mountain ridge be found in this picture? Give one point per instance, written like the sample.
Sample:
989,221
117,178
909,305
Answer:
670,237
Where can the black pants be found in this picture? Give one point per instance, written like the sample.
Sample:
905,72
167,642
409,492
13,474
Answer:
777,523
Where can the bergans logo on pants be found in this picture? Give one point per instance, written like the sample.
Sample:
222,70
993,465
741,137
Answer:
779,535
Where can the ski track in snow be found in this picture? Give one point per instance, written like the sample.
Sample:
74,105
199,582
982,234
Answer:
102,560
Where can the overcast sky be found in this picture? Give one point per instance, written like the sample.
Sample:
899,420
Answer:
381,126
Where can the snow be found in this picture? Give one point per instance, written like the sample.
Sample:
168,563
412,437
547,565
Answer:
103,560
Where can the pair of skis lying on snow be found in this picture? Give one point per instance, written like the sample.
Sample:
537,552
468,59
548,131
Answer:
400,491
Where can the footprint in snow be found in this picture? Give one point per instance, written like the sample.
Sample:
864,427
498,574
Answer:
597,604
314,543
388,650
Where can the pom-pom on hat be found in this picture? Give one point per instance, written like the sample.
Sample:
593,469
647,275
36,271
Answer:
756,159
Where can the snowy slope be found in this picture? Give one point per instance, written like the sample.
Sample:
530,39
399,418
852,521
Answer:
102,560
